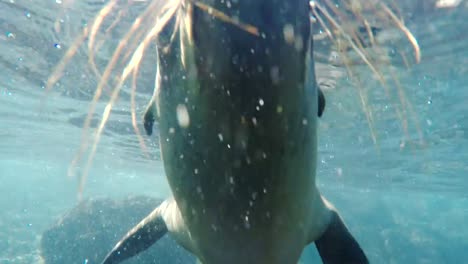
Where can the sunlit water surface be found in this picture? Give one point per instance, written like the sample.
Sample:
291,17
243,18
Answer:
405,202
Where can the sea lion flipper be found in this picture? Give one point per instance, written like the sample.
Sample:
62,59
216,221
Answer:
337,245
139,238
321,102
150,116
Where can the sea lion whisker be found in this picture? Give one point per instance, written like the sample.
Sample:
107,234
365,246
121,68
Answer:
131,66
96,25
362,96
107,111
352,44
97,94
225,18
133,113
411,38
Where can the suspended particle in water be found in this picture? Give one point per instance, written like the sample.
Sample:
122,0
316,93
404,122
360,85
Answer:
182,116
288,33
246,222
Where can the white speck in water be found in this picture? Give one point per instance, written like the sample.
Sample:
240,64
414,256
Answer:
261,102
171,130
429,122
254,196
231,180
220,136
288,33
199,189
183,116
274,74
264,155
304,121
279,109
228,146
298,43
254,121
246,223
58,1
195,171
339,171
181,156
57,46
264,190
213,226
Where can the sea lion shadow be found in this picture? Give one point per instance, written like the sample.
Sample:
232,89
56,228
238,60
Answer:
87,232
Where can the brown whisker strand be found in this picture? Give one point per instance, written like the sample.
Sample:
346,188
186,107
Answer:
96,25
131,66
223,17
404,29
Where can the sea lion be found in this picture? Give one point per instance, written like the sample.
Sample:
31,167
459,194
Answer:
237,119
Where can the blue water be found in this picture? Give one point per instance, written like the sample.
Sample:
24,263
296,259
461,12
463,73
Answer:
404,201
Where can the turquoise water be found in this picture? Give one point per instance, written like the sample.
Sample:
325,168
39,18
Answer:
405,202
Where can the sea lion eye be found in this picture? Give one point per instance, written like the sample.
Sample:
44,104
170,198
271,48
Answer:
321,102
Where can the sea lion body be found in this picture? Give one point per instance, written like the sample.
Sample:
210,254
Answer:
238,132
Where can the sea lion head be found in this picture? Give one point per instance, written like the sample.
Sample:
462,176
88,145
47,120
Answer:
238,118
